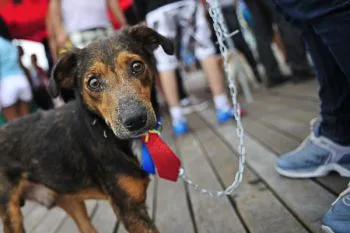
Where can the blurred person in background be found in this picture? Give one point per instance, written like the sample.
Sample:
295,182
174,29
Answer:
77,23
264,16
229,12
15,91
189,15
39,84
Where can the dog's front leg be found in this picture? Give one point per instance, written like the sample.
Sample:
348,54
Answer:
128,197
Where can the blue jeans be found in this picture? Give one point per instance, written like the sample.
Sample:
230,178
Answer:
326,28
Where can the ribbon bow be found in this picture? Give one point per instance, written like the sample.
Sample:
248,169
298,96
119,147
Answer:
157,157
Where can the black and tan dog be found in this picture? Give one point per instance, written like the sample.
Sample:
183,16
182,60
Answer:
82,150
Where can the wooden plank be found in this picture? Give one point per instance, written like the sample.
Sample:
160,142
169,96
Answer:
302,90
285,111
305,198
293,129
211,214
51,221
34,218
292,103
256,203
104,218
69,225
26,209
290,128
172,214
275,141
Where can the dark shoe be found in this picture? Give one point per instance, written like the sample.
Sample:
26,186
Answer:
302,76
273,82
257,75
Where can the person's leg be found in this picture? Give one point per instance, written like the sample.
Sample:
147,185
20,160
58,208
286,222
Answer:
10,113
328,147
263,31
131,16
329,144
49,58
205,52
181,88
329,47
293,44
241,45
164,23
23,108
42,98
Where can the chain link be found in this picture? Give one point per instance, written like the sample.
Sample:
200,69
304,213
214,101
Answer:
222,35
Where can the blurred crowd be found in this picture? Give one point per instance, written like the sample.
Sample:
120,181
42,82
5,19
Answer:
77,23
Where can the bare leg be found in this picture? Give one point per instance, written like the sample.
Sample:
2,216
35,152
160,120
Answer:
170,89
10,113
215,75
23,108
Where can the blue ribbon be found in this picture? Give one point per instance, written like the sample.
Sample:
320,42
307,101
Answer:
147,162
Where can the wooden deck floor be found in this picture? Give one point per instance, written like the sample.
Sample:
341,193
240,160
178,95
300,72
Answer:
277,121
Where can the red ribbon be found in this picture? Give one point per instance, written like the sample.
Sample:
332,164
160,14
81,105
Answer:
165,160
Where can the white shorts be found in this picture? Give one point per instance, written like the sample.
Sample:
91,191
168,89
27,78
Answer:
189,18
13,89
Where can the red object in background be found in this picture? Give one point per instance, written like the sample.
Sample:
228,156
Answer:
124,4
26,19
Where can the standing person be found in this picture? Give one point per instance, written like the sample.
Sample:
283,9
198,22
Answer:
264,16
165,17
229,12
326,29
39,84
79,22
15,91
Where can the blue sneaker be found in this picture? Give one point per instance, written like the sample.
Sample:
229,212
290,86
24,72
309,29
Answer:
337,218
180,128
224,115
316,156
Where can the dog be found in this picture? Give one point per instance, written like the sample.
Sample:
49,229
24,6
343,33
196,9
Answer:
82,150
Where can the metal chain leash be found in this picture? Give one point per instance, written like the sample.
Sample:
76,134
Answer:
222,35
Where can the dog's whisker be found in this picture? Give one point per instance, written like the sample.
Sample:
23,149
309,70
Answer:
105,134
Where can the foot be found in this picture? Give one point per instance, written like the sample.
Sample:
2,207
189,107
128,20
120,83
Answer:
337,219
316,156
180,128
192,104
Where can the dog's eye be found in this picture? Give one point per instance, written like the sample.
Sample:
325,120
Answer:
137,68
94,84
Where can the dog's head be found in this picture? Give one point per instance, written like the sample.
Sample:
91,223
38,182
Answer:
114,78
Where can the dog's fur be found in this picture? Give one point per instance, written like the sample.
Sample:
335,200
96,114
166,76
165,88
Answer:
82,150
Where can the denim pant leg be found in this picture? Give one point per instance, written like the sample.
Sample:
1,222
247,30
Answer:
334,90
327,37
334,32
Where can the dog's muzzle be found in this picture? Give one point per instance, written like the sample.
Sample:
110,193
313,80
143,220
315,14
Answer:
134,115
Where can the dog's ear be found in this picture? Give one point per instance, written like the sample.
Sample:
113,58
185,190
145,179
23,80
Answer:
151,39
62,75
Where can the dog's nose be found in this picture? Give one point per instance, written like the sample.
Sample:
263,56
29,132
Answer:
133,116
136,121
